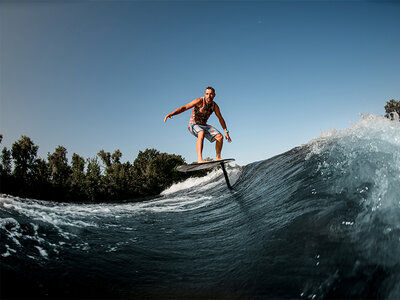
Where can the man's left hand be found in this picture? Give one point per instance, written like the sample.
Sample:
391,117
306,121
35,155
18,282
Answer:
228,137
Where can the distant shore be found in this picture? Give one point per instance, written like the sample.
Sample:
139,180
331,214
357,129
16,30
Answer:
103,178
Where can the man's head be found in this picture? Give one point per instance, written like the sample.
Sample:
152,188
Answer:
209,93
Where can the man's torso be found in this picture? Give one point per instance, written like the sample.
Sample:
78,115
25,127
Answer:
201,113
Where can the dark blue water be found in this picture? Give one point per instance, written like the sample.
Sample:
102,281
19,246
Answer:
320,221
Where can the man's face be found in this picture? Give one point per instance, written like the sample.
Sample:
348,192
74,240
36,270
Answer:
209,95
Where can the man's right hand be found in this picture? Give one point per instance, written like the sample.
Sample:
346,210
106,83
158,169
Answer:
166,117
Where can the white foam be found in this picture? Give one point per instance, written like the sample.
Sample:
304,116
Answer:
174,204
212,179
42,252
192,182
8,252
370,127
62,216
13,229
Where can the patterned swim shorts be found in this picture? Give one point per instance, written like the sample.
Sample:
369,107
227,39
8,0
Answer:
210,132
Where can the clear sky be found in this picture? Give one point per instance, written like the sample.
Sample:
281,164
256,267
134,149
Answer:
92,75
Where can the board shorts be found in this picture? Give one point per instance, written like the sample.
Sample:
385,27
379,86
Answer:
210,132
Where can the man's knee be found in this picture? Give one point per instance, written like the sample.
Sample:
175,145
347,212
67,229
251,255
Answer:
219,138
201,134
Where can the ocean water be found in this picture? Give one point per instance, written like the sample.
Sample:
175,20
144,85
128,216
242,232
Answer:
320,221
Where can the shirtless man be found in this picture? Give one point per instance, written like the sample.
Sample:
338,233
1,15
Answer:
202,109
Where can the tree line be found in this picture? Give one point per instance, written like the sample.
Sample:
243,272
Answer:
101,178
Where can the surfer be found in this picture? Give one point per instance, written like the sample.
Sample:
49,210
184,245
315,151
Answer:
203,107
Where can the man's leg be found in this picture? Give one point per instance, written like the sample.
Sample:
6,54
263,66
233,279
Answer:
199,146
219,141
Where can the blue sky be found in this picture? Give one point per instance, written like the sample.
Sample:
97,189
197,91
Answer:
92,75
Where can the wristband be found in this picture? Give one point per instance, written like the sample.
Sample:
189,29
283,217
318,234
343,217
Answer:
227,131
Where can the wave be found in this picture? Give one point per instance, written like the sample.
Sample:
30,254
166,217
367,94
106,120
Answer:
319,221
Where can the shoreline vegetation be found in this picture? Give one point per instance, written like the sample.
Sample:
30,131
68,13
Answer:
103,178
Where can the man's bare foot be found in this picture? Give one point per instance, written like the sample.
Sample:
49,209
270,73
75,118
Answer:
201,161
219,158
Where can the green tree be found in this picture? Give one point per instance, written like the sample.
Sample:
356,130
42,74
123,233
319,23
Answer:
129,186
5,170
41,171
59,169
109,188
78,175
93,180
42,188
392,106
24,153
142,170
117,179
105,157
155,171
5,166
163,170
116,156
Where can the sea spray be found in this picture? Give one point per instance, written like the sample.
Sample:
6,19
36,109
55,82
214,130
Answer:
362,163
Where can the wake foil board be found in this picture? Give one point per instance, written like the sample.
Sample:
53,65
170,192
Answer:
208,165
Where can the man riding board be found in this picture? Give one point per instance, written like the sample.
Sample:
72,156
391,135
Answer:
202,109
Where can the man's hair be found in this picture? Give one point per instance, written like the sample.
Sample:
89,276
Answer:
210,88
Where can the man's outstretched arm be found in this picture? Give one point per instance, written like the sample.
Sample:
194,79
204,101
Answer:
182,109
